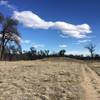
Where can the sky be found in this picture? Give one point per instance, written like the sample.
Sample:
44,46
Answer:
56,24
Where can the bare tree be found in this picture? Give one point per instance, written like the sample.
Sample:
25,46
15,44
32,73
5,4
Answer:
91,48
46,52
8,33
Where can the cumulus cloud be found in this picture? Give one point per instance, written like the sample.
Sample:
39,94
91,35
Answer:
63,46
30,19
6,3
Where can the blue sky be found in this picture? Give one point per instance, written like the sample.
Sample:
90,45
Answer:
56,24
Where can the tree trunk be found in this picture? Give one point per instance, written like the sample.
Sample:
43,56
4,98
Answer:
2,45
2,52
92,55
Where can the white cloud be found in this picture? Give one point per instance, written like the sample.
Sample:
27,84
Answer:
84,41
26,41
38,46
63,46
6,3
30,19
84,52
72,52
63,36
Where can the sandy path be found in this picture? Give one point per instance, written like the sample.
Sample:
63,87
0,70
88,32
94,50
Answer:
91,84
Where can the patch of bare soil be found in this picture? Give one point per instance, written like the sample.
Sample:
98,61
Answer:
41,80
91,84
95,66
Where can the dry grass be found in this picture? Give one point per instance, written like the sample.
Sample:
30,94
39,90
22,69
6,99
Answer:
41,80
95,66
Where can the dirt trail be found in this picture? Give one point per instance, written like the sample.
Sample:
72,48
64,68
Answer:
91,84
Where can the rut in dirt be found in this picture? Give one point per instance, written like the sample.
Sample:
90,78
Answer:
91,84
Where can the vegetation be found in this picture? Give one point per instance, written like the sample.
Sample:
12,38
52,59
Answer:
9,36
62,52
91,49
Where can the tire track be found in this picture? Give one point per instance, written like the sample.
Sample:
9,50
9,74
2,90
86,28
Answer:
91,83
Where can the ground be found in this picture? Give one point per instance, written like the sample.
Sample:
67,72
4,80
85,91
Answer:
50,79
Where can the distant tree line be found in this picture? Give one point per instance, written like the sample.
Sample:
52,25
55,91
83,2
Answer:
34,54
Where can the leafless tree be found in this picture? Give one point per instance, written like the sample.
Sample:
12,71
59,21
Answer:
91,48
8,33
